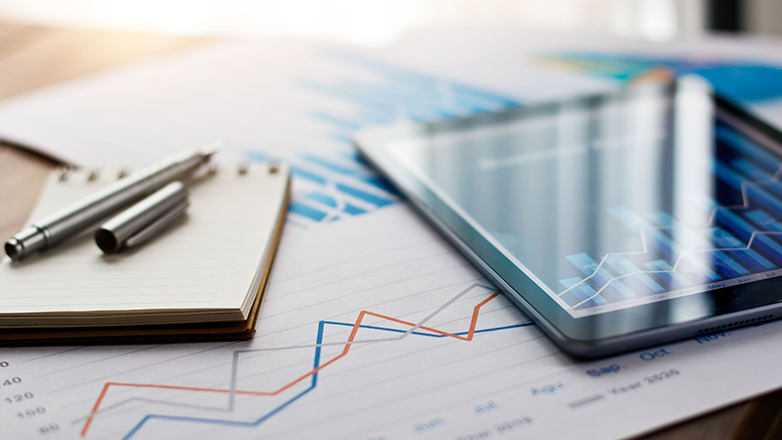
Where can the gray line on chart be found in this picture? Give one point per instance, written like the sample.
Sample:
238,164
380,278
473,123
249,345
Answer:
235,363
380,286
368,341
144,399
407,246
195,353
237,353
401,263
98,360
52,354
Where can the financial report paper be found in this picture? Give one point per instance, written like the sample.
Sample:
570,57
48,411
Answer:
377,329
373,327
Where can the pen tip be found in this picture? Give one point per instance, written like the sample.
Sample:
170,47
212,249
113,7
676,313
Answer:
207,151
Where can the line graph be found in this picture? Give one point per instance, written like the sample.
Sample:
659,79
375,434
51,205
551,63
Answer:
416,329
711,222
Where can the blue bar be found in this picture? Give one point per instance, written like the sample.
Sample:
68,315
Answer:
369,99
763,178
747,148
751,257
628,218
331,166
367,197
724,239
669,248
462,103
353,210
299,172
336,120
306,211
380,183
671,277
421,84
407,100
662,242
433,96
322,198
702,267
569,282
342,138
745,230
718,259
463,90
674,250
602,277
641,280
583,292
595,298
636,223
763,219
355,157
693,240
427,99
426,82
723,262
727,265
330,201
370,117
664,219
758,194
257,156
361,175
351,97
683,235
751,170
465,96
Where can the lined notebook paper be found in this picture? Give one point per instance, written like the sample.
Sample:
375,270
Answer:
205,268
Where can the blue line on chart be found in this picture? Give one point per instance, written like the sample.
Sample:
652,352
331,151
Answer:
313,383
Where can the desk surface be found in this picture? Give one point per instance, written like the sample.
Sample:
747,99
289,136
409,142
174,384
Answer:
32,57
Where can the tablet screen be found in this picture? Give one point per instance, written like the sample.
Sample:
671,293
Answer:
617,201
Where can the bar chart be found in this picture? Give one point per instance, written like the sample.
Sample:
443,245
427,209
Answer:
341,184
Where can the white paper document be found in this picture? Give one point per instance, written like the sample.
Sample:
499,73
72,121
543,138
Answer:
376,329
373,327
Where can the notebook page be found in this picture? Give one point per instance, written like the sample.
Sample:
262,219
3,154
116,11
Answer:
201,269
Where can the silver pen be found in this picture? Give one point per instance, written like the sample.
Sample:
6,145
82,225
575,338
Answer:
67,222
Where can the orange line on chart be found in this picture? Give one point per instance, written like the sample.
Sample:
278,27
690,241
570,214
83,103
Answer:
345,351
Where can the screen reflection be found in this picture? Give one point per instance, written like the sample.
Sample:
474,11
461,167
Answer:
614,201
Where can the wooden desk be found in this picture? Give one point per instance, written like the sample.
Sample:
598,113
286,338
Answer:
32,57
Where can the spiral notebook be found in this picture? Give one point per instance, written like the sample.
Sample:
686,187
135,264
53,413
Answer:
203,278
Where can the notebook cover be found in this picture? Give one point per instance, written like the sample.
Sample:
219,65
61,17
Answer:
151,334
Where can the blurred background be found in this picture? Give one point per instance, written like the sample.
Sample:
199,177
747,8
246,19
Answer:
379,22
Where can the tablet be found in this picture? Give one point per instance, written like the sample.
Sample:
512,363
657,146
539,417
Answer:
615,221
